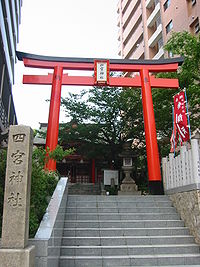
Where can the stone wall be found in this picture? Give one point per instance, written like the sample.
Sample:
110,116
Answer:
188,206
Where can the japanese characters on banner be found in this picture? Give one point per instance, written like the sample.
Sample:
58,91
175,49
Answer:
101,71
180,116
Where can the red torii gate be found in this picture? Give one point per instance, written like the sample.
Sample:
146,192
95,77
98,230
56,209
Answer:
145,80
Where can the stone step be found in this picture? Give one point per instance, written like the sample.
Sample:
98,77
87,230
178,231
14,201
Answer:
141,260
118,199
120,223
123,231
92,232
123,250
105,204
126,240
121,210
117,216
83,189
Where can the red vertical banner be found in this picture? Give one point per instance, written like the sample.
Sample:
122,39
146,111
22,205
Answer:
180,116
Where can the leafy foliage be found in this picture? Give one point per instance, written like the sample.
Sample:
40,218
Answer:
96,114
186,45
102,119
43,183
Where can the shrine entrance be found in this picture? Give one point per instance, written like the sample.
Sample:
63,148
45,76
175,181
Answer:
101,69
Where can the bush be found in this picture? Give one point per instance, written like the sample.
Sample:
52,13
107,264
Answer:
43,184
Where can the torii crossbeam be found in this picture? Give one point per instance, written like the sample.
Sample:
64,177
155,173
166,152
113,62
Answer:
145,81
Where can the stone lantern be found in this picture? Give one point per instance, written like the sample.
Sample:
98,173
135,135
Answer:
128,186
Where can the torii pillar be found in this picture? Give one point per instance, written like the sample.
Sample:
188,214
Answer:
145,80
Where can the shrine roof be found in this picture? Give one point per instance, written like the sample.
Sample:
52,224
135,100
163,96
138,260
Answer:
179,60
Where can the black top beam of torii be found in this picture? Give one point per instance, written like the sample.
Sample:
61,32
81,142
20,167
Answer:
161,61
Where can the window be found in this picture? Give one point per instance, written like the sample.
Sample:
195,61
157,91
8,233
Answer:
160,43
197,27
169,27
193,2
167,4
158,21
170,54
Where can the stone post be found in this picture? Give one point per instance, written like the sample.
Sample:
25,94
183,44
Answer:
15,251
164,167
195,161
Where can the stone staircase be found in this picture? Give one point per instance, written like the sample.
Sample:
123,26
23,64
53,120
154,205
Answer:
83,189
124,231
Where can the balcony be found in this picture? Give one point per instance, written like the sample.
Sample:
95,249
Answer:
155,37
138,52
119,36
133,40
118,6
120,49
154,15
149,3
5,45
118,20
129,10
160,54
124,3
3,117
132,23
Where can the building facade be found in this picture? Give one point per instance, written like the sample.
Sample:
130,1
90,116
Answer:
145,25
10,14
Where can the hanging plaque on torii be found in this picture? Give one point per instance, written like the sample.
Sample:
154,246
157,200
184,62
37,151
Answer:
101,69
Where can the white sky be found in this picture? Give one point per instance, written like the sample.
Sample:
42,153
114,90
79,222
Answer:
66,28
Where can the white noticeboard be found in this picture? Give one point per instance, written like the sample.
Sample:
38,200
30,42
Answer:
101,71
109,174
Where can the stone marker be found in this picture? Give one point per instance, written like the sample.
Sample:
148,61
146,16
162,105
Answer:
15,251
128,185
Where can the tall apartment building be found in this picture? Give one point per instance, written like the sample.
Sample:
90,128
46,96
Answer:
10,14
145,25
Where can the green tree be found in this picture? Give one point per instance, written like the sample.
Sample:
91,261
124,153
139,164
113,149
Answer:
102,119
96,113
43,183
188,46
